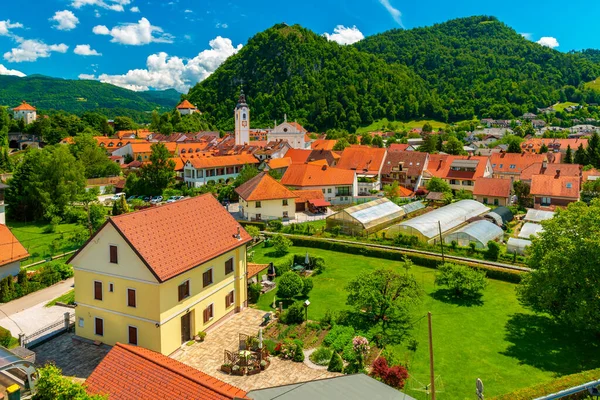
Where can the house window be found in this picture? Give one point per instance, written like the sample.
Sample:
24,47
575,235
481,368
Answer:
208,313
285,202
546,201
113,254
512,166
496,202
229,299
207,278
111,287
257,205
328,190
258,217
229,266
452,182
97,290
485,200
569,185
133,335
285,214
131,300
323,190
81,320
184,290
99,326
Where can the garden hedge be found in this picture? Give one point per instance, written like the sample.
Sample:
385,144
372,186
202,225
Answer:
258,224
554,386
398,255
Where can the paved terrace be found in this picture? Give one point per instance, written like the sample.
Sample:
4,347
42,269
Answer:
208,356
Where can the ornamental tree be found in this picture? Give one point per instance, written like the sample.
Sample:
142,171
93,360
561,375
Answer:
290,285
436,184
462,280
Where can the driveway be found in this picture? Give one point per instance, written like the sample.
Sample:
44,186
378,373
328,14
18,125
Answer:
208,356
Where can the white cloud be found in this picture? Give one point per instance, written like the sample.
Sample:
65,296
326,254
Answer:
220,25
345,35
187,11
6,26
97,14
115,5
66,20
135,34
14,72
88,77
164,71
526,35
134,9
548,42
85,50
32,49
394,12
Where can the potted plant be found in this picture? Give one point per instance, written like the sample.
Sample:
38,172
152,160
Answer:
226,368
200,336
252,370
264,364
236,370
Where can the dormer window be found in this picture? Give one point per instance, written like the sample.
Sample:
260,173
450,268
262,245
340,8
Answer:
569,185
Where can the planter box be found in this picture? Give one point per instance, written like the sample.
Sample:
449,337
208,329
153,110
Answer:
266,365
227,370
254,371
239,372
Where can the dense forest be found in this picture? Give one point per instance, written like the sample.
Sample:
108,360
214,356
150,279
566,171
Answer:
452,71
77,96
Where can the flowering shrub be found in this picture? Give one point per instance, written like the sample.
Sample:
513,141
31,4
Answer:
395,376
361,346
287,349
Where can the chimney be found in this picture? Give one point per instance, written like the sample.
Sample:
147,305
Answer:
324,167
557,174
545,164
238,235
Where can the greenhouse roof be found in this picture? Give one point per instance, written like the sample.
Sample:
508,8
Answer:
482,231
412,207
449,217
528,229
505,213
374,212
538,215
517,243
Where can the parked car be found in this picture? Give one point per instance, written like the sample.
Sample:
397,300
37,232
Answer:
117,196
145,198
173,199
156,199
131,198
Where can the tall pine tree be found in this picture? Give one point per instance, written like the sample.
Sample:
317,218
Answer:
569,155
580,156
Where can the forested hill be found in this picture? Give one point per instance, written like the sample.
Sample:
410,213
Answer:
291,70
467,67
480,66
76,96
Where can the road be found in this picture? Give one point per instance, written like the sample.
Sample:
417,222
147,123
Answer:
414,251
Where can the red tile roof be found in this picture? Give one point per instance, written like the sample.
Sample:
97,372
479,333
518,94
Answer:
204,161
492,187
533,145
255,269
589,173
134,373
555,186
186,105
146,147
171,239
413,162
305,195
10,248
323,144
24,107
306,175
298,156
398,147
551,169
362,159
263,187
276,163
502,162
439,166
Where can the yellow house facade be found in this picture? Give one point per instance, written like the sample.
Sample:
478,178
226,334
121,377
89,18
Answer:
263,198
150,280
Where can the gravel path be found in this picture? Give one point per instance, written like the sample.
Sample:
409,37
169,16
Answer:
311,364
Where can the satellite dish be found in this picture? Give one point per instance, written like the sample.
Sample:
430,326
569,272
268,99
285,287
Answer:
479,387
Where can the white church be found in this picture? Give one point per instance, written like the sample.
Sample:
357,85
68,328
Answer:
292,132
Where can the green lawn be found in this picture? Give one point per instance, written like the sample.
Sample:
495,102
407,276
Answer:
67,298
39,244
498,341
562,106
595,84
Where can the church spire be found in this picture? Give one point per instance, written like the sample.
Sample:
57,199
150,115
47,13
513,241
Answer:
241,99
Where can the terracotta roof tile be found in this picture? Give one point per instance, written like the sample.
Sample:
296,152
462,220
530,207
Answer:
439,165
10,247
398,147
555,186
413,162
306,175
550,169
146,147
298,156
492,187
255,269
502,162
263,187
171,238
200,162
305,195
134,373
24,107
533,145
186,105
276,163
362,159
323,144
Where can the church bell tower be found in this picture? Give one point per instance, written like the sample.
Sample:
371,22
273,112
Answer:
242,121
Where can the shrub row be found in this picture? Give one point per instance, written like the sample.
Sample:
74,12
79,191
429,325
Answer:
47,275
557,385
397,255
258,224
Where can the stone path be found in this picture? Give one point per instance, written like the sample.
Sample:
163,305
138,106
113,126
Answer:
208,356
311,364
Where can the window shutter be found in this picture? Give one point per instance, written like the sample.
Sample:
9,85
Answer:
97,290
210,312
113,255
131,297
229,266
133,339
99,327
205,315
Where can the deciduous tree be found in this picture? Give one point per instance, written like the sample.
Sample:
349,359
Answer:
463,281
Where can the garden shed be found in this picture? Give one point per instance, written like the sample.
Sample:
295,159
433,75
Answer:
427,226
367,217
517,245
538,215
500,215
478,232
530,229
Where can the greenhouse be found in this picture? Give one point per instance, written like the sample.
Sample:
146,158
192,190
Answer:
478,232
427,226
530,229
517,246
500,215
538,215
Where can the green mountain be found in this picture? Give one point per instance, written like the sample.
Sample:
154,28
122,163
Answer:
466,67
291,70
77,96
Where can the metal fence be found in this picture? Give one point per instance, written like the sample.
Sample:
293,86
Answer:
48,331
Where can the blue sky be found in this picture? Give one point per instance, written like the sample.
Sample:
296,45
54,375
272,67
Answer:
161,44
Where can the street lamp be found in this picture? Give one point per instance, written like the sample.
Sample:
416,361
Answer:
306,304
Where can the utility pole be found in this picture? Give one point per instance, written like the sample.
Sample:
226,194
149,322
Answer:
441,242
431,373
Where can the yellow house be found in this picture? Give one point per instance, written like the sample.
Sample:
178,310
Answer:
263,198
156,277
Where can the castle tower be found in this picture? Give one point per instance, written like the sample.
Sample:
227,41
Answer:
242,121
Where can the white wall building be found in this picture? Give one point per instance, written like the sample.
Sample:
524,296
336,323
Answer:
292,132
242,121
200,170
25,112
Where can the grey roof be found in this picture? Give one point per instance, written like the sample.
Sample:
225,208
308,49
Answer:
517,245
530,229
372,213
347,387
538,215
505,213
482,231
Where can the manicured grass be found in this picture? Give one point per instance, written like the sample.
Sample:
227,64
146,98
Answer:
595,84
39,244
67,298
496,339
562,106
382,124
